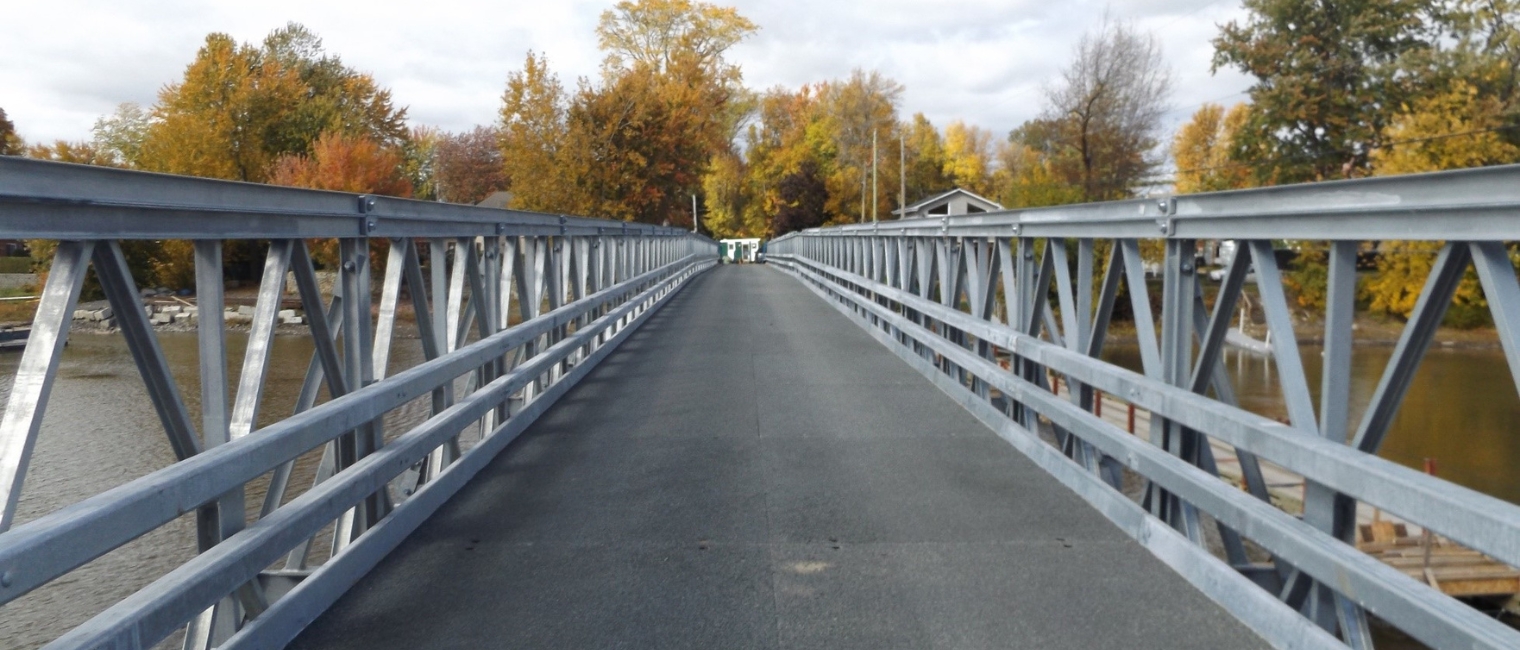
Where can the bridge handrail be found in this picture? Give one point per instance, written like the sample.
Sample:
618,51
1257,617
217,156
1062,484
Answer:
580,286
45,548
51,200
1036,289
1476,204
1415,605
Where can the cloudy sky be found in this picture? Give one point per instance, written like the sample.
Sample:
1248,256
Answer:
63,63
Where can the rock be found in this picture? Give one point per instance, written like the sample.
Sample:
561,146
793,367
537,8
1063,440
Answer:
169,309
161,319
80,314
108,323
295,320
286,314
181,318
106,313
246,310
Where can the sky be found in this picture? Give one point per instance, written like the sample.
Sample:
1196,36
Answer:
64,63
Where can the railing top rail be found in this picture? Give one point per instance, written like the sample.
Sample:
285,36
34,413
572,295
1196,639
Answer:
1477,204
50,200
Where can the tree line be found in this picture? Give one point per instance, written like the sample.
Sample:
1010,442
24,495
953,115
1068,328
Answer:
1341,89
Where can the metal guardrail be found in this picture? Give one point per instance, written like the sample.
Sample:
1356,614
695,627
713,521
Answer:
957,296
579,287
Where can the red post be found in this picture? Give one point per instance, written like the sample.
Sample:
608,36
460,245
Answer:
1055,384
1430,466
1098,403
1131,418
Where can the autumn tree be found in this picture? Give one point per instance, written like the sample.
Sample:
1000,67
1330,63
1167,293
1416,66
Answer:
925,153
341,163
468,165
854,110
532,134
80,153
656,33
1329,77
10,143
1107,109
1202,150
801,197
240,107
968,156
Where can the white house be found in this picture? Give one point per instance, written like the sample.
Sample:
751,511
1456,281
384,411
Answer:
953,202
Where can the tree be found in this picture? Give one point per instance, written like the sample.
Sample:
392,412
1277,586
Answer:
1108,106
532,132
802,196
469,165
1329,80
654,33
854,110
120,135
10,143
925,153
638,144
345,164
223,119
1029,178
340,163
241,107
1202,149
81,153
968,156
727,197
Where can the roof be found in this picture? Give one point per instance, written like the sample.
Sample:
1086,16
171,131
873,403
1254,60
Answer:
499,200
945,197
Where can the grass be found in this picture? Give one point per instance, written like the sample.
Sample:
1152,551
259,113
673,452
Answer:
15,264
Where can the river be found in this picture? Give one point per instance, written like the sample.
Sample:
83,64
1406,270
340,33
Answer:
101,431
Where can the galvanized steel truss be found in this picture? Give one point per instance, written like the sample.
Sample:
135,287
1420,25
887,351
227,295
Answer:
575,288
955,296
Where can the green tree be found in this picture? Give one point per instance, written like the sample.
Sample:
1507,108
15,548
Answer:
120,135
1330,76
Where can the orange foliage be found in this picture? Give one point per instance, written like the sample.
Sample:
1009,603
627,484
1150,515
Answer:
345,164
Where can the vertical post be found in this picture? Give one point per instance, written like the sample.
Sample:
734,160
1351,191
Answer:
34,377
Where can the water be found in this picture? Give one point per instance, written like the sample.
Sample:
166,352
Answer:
1460,410
101,431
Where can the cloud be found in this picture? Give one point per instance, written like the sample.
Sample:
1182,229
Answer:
984,61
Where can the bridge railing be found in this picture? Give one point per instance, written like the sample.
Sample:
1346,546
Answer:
512,309
991,306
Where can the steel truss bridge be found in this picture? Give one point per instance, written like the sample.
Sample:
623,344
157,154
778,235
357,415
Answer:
668,454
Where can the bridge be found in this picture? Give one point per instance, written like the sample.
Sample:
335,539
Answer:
885,437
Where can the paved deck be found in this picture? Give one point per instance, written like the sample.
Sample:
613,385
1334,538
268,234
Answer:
751,470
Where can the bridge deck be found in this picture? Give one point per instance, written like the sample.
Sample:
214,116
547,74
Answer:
751,470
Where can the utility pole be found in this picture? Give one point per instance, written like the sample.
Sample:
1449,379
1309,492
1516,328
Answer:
694,214
902,174
874,201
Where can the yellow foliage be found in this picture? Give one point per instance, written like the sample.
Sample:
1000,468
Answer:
1202,151
1451,130
968,156
1443,131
